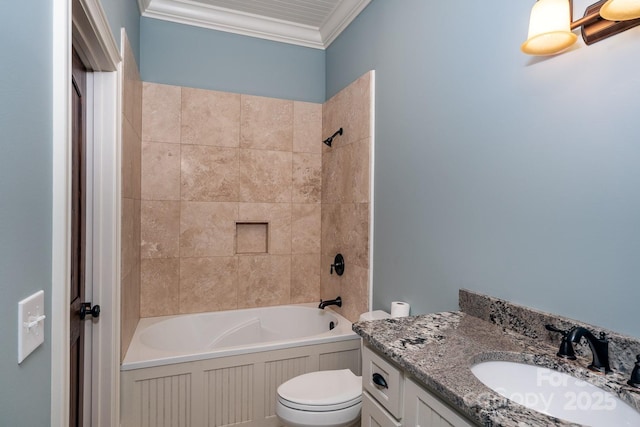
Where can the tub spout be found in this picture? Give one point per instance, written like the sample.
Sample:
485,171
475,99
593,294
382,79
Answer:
337,301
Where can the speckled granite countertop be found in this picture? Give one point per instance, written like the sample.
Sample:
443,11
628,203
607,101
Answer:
439,349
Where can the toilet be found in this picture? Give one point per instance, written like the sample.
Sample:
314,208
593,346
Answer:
323,398
320,399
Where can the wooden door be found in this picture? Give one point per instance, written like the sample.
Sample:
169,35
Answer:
78,239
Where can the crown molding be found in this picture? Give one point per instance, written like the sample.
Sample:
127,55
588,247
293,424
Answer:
340,19
217,18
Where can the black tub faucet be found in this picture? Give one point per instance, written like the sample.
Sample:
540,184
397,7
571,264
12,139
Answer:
599,346
337,301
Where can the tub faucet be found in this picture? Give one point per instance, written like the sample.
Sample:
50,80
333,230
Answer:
337,301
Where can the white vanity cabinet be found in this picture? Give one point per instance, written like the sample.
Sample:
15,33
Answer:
402,402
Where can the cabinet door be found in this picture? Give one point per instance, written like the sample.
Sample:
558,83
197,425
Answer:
374,415
425,410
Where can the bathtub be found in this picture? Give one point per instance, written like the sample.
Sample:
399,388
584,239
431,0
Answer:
223,368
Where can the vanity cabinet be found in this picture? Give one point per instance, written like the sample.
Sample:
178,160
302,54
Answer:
391,398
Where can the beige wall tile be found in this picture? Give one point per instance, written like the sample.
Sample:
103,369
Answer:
354,292
207,229
330,283
346,173
160,171
137,229
136,120
307,127
307,178
136,167
161,113
266,123
354,229
127,236
352,287
131,89
263,280
209,174
265,176
210,118
331,241
278,215
129,308
360,166
208,284
159,287
350,109
305,228
345,229
130,144
336,176
305,278
160,229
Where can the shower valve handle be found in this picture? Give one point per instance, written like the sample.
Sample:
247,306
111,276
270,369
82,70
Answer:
338,265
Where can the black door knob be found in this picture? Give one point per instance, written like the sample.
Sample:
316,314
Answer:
85,309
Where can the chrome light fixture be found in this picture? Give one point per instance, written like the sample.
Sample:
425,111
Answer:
551,24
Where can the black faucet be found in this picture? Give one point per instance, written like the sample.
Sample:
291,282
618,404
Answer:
337,301
599,347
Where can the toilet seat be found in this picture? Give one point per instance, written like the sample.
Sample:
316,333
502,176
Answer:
322,391
320,408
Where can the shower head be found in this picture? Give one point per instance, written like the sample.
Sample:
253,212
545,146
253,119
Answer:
330,139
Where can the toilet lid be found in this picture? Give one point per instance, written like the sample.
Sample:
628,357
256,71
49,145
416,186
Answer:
322,388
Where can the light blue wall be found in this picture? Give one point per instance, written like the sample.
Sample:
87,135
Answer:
196,57
124,13
509,175
26,196
25,203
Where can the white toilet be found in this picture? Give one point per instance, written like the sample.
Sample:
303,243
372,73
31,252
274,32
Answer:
320,399
323,398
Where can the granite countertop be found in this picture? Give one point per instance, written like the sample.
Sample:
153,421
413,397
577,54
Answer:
439,349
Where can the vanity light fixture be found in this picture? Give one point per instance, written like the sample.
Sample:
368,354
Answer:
551,24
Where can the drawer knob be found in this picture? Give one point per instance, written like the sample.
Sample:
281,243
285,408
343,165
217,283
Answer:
379,381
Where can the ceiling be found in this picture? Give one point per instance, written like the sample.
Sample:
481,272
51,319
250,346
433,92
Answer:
309,23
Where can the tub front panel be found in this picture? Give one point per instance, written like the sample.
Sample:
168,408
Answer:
225,391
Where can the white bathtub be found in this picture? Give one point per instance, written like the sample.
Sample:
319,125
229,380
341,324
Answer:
184,338
223,368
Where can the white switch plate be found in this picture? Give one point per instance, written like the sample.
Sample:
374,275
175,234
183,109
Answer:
30,324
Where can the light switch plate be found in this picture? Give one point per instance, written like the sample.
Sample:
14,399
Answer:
30,324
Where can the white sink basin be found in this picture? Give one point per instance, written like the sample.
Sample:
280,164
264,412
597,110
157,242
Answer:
556,394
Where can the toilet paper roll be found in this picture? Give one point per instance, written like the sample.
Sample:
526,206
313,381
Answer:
400,309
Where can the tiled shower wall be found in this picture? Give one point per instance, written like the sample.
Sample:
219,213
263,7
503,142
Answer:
231,201
130,179
346,196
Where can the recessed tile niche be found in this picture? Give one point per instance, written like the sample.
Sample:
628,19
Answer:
252,237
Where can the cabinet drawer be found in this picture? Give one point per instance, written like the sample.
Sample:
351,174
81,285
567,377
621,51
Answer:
390,397
373,415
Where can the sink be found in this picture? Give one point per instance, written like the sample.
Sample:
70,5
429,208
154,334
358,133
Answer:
556,394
